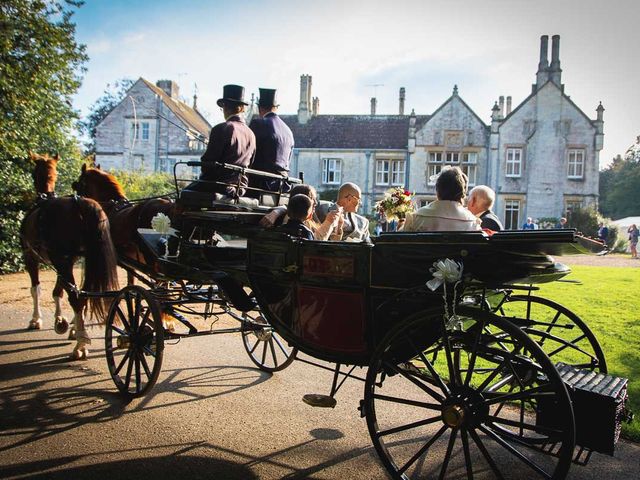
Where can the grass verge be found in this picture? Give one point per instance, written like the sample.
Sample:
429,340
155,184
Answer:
608,300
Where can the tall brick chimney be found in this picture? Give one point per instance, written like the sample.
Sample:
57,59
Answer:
401,103
169,87
374,103
543,66
305,106
555,72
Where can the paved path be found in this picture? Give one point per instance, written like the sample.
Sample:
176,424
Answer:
211,415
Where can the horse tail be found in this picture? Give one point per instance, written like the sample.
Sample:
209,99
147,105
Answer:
100,272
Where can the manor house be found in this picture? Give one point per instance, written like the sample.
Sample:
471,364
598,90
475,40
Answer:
150,130
540,157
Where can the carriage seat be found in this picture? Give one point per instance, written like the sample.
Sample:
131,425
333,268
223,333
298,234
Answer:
195,199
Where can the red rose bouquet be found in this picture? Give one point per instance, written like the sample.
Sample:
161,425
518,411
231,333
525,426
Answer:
395,204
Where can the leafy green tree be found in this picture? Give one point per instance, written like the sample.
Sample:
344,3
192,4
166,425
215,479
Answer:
112,95
587,221
138,185
41,66
620,184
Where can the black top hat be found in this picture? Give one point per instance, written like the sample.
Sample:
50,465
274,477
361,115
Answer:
232,94
268,97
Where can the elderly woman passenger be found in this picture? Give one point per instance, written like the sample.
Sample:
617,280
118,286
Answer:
447,213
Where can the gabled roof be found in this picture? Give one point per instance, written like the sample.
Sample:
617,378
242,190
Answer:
534,93
450,99
376,132
189,116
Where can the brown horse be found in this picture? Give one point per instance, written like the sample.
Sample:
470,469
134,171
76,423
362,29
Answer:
125,217
59,231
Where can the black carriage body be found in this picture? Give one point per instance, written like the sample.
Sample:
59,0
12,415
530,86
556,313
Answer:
336,301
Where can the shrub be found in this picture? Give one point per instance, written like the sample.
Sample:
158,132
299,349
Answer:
586,222
138,185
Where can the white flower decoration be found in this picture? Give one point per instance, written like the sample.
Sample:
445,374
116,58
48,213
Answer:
444,271
162,224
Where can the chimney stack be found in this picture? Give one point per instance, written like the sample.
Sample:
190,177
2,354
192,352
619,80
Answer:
374,103
305,106
555,72
501,104
508,105
543,66
169,87
401,106
316,106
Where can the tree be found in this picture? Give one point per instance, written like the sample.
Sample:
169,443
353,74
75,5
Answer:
111,96
620,184
41,67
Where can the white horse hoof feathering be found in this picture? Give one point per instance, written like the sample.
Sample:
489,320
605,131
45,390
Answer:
35,324
80,351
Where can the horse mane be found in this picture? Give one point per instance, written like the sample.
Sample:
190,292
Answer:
108,181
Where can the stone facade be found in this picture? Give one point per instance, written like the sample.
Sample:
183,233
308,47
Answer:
150,130
541,158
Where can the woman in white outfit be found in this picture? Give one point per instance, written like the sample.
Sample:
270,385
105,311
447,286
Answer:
447,213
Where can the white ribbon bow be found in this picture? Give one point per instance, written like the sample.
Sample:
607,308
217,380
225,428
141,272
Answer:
444,271
162,224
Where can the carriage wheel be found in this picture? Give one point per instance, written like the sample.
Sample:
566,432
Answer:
134,341
266,349
562,334
467,405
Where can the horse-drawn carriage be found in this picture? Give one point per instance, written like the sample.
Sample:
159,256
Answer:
466,368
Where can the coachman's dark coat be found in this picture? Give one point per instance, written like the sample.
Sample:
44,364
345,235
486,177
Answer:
229,142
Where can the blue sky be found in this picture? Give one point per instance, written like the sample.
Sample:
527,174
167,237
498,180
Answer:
487,48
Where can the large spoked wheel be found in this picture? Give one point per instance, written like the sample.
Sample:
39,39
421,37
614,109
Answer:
134,341
562,334
467,405
266,349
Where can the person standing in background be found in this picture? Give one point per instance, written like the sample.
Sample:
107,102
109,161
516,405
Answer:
633,240
529,225
603,233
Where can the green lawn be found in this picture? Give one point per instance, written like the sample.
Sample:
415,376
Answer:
608,300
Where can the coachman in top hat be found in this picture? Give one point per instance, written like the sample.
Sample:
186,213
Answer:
230,142
274,141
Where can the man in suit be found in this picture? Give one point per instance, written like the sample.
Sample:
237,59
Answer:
481,199
274,142
350,226
230,142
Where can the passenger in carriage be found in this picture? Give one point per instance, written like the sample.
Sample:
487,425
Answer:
480,201
321,230
299,211
350,227
447,213
274,144
231,142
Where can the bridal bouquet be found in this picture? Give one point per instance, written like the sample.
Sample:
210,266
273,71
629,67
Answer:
395,204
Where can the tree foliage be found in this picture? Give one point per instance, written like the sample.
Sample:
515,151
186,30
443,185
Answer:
41,67
110,98
137,185
620,184
587,221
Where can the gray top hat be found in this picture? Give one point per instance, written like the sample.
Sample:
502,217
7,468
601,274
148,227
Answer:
232,94
268,97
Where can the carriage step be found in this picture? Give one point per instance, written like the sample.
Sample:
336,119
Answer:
319,400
